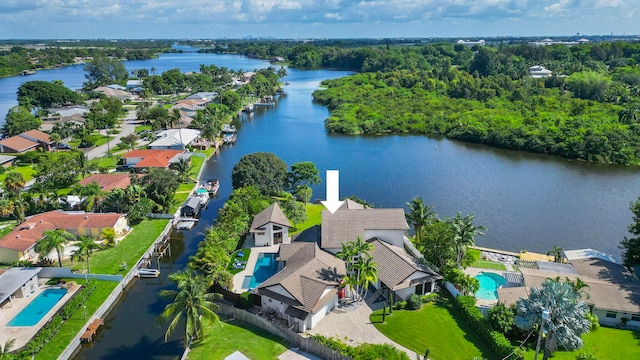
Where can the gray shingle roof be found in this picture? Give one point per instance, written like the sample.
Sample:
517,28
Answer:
347,225
271,214
307,273
395,266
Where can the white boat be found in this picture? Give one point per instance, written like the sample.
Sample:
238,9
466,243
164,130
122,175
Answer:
148,273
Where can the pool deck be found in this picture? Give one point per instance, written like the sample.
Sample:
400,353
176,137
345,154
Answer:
475,271
251,263
23,334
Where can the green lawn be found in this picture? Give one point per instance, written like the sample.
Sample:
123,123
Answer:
71,327
27,171
487,264
604,344
142,128
196,164
235,256
437,327
128,250
223,340
314,217
108,162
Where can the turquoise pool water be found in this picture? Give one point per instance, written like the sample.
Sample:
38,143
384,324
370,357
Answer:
38,308
489,285
266,267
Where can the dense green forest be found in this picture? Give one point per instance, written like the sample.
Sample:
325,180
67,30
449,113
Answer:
17,57
588,109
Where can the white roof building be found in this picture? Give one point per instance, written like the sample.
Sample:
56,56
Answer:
174,139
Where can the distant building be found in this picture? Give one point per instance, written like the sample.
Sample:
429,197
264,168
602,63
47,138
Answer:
539,71
471,43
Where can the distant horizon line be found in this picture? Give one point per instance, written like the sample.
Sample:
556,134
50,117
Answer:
332,38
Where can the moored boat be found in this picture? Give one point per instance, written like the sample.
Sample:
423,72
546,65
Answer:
148,273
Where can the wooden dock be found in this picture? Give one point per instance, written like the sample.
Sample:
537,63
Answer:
91,330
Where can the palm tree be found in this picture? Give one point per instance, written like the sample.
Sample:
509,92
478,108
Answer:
182,167
86,247
419,216
55,139
53,240
464,234
554,307
191,300
367,274
14,182
6,348
556,252
630,114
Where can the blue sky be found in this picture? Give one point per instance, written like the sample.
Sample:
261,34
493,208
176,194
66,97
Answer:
74,19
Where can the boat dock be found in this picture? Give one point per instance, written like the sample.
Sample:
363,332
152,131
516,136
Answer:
91,330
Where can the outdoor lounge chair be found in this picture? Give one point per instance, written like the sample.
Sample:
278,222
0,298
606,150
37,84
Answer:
238,265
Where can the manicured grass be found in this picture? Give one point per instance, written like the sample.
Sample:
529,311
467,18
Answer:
235,256
196,164
487,264
71,327
223,340
27,171
604,344
436,326
108,162
128,250
314,217
142,128
178,199
185,188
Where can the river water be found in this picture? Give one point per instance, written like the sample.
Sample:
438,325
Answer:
527,201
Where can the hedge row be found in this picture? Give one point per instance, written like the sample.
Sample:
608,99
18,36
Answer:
363,351
501,346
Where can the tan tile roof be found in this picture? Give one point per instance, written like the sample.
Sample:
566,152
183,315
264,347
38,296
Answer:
347,225
108,182
308,272
38,135
609,287
25,235
17,144
395,266
271,214
153,158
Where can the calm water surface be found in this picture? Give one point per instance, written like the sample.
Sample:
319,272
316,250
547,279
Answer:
526,201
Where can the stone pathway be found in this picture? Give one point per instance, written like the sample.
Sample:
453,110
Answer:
352,325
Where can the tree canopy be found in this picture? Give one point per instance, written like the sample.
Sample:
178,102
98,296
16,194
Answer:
631,245
43,94
103,71
264,170
19,120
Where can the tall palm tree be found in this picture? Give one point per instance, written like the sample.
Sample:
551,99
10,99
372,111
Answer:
367,274
465,232
419,216
182,167
53,240
86,247
191,300
556,252
14,182
554,307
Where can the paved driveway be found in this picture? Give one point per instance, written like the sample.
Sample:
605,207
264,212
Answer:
352,324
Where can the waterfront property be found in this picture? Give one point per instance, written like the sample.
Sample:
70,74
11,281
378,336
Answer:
489,285
175,139
108,182
270,227
141,160
266,266
38,307
19,244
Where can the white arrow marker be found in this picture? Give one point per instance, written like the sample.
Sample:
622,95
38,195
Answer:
333,191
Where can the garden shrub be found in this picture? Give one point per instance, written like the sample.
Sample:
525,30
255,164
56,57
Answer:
400,305
466,307
414,302
364,351
246,300
430,297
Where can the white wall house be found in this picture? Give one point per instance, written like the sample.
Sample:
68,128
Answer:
270,227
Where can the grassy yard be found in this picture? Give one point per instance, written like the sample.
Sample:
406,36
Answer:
234,256
196,164
314,217
128,250
487,264
142,128
106,161
27,171
230,336
437,327
604,344
71,327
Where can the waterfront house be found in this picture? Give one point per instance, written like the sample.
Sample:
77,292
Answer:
306,287
175,139
270,227
613,292
114,92
19,243
202,96
141,160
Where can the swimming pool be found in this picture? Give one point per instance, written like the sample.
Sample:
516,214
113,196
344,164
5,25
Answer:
266,267
38,308
489,284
